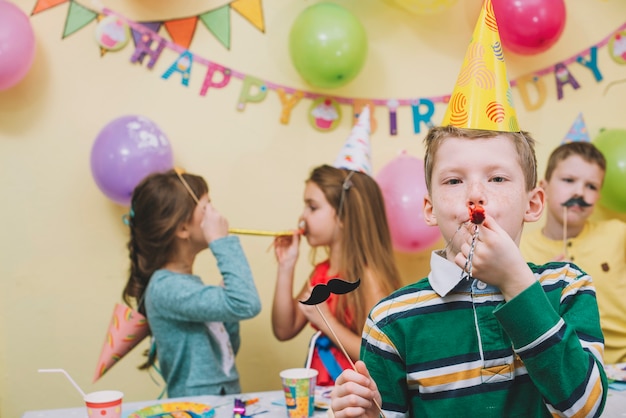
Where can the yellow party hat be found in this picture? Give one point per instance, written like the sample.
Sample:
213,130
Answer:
482,97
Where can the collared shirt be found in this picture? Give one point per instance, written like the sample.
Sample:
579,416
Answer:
450,346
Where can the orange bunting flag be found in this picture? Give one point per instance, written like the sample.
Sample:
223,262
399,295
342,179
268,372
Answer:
42,5
182,30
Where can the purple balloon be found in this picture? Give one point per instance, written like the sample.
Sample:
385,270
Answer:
125,151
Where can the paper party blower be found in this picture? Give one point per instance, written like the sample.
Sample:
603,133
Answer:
578,132
482,97
127,329
355,154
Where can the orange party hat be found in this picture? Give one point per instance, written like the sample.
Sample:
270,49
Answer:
127,329
356,152
482,97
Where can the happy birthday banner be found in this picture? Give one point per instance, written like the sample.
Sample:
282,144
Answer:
324,112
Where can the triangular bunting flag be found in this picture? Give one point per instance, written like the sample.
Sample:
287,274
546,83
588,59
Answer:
252,10
153,26
77,18
182,30
218,23
578,132
46,4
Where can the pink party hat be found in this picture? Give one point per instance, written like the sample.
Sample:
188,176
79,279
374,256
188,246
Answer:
578,132
127,329
482,97
355,154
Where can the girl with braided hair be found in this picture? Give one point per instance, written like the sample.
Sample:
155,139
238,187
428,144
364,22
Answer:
195,326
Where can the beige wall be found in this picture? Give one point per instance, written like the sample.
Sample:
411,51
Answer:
63,261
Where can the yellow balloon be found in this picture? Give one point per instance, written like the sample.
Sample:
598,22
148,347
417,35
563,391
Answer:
423,7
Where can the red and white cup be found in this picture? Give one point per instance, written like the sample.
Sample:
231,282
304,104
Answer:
104,404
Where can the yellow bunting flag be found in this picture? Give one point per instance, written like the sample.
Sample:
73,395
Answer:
251,10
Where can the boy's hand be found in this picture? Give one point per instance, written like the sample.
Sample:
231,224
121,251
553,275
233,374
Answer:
214,225
497,259
354,394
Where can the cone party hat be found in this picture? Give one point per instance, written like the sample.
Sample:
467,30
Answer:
578,132
127,329
355,154
482,97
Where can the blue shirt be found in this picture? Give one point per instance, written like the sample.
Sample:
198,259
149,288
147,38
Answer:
185,317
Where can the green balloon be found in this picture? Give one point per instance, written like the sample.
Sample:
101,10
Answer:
612,143
328,45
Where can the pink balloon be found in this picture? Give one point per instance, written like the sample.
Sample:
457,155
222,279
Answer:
530,26
17,44
403,186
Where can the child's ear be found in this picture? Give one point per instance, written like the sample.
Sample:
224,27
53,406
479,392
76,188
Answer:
429,212
182,231
536,202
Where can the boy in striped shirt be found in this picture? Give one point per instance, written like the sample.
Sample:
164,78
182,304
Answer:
509,339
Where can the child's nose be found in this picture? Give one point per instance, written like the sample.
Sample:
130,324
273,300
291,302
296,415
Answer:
476,194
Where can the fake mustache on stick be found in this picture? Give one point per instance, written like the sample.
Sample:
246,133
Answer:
321,292
576,200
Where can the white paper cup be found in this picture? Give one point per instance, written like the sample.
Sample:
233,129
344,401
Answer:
104,404
299,389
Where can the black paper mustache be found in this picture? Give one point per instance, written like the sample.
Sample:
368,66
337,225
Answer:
576,200
321,292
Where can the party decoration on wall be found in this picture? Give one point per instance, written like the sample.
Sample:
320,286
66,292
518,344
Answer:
612,143
17,45
356,153
423,7
617,47
126,329
324,114
403,186
530,27
532,87
181,30
578,132
125,151
482,97
327,45
112,33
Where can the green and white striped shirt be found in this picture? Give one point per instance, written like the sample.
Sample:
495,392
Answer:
448,346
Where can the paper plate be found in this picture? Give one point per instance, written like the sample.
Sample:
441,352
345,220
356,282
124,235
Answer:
175,410
616,371
322,397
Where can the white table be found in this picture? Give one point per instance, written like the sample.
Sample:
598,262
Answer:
273,402
615,406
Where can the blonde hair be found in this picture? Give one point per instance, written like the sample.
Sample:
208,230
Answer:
366,242
524,144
